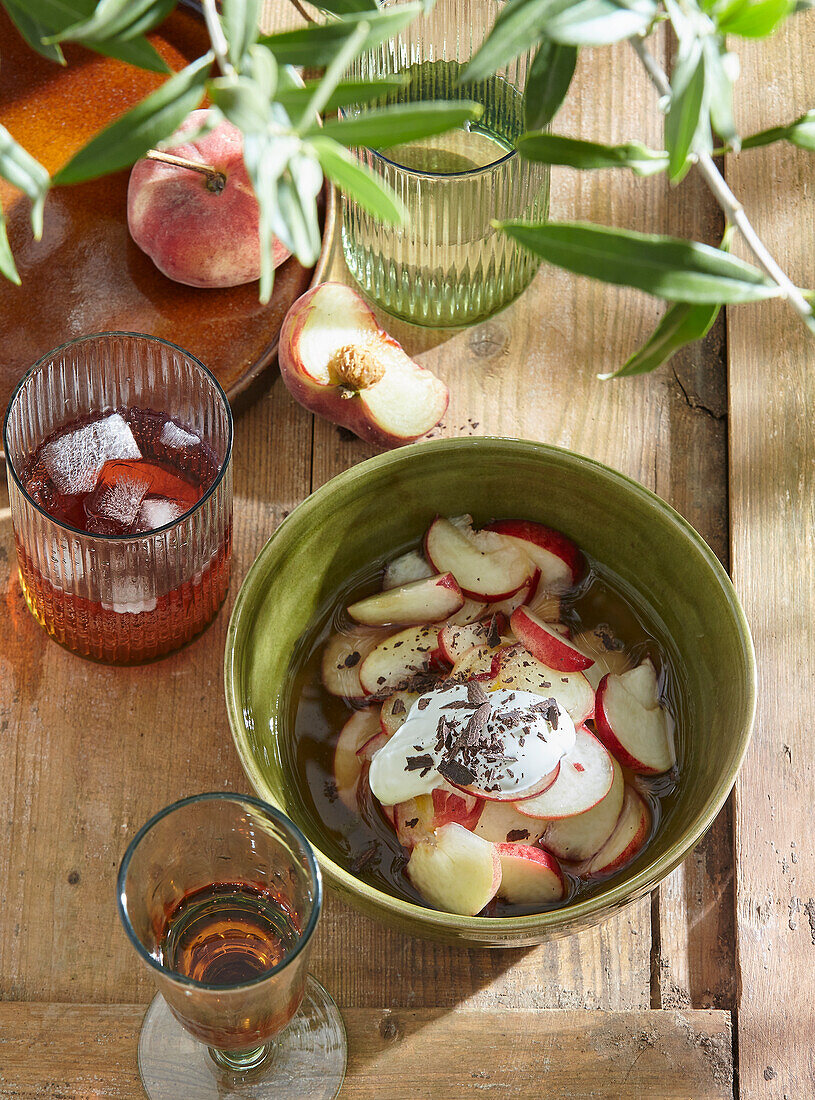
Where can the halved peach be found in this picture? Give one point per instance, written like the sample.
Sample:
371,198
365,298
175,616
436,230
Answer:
338,363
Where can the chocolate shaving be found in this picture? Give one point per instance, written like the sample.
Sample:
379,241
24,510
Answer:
421,764
457,704
517,834
330,790
493,633
456,773
398,706
476,696
352,659
477,723
423,704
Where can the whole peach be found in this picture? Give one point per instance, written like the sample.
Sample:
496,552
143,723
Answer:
195,233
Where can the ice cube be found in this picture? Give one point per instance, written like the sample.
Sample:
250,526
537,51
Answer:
128,595
74,460
118,496
156,511
173,435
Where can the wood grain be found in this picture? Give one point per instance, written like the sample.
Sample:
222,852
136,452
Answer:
772,502
423,1054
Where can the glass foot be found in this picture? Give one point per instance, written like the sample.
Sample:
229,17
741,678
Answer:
306,1062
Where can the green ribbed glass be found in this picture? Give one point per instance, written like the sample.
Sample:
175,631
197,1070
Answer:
448,266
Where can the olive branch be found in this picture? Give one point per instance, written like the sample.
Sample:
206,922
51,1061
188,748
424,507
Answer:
252,79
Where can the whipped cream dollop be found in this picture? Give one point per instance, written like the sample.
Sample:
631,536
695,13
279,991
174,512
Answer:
500,742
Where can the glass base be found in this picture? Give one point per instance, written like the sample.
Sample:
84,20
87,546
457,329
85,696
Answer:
306,1062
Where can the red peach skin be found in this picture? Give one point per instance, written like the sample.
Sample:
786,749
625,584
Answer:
193,235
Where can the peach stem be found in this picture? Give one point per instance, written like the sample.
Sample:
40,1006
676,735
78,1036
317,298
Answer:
216,181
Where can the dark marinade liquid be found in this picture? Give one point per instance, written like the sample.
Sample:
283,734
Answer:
366,843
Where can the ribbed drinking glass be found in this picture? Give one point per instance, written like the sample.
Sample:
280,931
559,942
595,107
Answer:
220,895
90,410
449,265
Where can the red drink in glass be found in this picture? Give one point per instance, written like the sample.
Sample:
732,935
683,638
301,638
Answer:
122,513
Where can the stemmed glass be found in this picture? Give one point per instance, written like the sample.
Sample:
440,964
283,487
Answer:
220,895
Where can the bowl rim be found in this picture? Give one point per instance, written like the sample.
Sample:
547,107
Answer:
577,914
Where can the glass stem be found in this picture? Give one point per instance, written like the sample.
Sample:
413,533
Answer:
243,1061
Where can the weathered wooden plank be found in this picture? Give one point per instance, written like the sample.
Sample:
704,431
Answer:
772,502
88,753
406,1054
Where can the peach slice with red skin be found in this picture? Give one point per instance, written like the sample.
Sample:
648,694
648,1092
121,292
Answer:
539,788
197,231
631,723
337,362
348,764
529,875
424,601
455,870
628,839
515,668
398,658
579,837
455,640
546,644
560,561
501,823
586,774
416,818
486,566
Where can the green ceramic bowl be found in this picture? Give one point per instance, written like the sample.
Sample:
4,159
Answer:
383,505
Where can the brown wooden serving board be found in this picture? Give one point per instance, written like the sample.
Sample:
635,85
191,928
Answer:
86,274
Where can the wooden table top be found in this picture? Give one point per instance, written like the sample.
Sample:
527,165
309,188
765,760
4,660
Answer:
702,990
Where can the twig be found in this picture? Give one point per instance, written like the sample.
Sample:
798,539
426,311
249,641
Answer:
733,209
220,46
299,7
216,181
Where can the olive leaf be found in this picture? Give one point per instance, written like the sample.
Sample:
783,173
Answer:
8,268
346,7
294,218
554,149
56,16
550,75
348,93
25,173
600,22
32,30
348,50
685,111
801,132
140,128
239,19
403,122
518,26
720,91
242,101
116,19
667,267
316,44
753,18
682,324
365,188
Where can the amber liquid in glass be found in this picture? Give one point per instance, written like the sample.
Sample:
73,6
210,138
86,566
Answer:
228,933
124,474
364,842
